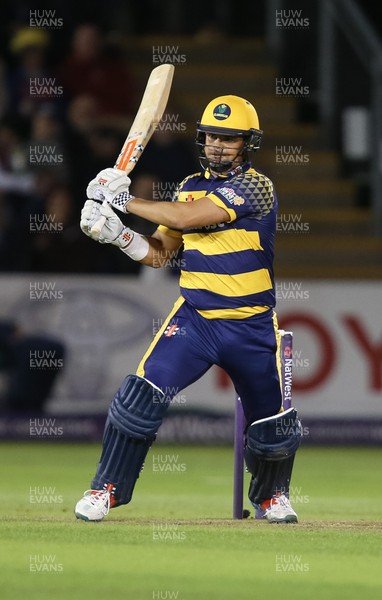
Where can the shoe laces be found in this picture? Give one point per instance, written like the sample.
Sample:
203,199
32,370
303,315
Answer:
99,498
282,500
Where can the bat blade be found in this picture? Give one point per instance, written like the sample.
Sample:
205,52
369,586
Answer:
149,114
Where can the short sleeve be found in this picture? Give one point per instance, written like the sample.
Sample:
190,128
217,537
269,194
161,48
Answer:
174,233
249,195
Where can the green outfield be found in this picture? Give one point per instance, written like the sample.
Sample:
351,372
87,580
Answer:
177,540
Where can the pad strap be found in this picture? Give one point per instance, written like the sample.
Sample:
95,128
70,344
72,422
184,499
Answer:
277,437
138,408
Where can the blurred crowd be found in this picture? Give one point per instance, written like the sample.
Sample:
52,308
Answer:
67,100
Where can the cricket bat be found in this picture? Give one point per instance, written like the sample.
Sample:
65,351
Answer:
149,114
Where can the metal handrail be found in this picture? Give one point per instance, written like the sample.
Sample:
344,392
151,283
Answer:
346,15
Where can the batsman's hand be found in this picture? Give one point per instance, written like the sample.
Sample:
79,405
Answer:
113,231
90,214
112,186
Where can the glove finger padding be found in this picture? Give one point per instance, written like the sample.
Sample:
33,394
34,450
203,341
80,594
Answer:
112,227
107,212
90,214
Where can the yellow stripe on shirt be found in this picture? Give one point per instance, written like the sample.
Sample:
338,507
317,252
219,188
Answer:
174,233
222,242
242,284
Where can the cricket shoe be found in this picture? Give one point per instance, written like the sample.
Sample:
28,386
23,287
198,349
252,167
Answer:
276,510
95,504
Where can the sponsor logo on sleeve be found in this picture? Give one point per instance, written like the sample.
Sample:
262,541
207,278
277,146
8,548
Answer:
230,195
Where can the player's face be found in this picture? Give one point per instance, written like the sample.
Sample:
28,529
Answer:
224,148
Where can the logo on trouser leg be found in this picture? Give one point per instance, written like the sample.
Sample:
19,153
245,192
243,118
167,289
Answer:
171,330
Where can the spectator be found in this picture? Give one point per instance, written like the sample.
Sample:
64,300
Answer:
97,69
15,173
46,143
17,188
31,82
32,364
4,101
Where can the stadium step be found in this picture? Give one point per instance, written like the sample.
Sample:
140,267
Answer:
244,79
321,250
291,161
314,193
282,134
298,271
338,222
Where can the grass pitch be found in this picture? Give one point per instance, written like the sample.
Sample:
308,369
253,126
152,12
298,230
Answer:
177,539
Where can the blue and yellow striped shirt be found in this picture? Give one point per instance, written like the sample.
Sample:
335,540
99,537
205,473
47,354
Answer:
227,268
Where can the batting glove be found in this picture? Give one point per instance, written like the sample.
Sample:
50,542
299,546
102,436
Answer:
90,214
113,228
111,185
113,231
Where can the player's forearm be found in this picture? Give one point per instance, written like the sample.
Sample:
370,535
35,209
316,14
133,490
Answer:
171,214
157,256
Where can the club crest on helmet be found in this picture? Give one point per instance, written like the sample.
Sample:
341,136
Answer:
221,112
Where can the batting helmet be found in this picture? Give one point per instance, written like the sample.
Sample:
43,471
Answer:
229,116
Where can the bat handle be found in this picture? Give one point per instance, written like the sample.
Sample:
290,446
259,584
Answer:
97,227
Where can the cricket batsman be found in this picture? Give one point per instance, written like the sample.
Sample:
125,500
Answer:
224,217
